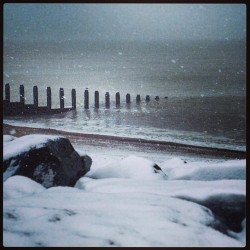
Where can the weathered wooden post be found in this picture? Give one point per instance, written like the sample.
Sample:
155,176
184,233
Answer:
61,96
7,92
96,99
6,103
107,100
128,98
147,98
48,98
138,99
22,98
117,99
86,99
35,97
21,105
73,96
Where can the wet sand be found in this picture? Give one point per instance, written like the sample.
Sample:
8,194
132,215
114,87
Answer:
124,142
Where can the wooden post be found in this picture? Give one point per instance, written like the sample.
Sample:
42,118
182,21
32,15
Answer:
61,96
22,98
73,96
128,98
48,98
35,96
107,100
7,92
86,99
96,99
117,99
138,99
147,98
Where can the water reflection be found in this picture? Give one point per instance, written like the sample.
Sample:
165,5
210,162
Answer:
87,114
128,106
211,118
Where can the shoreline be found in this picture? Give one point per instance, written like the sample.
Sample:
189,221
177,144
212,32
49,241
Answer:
116,141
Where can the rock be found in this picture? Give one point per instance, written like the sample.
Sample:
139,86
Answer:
157,169
48,160
229,210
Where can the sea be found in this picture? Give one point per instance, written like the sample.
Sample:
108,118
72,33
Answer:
201,87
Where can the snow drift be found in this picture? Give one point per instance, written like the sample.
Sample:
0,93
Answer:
124,202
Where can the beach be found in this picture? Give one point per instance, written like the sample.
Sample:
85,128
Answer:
122,202
124,125
105,141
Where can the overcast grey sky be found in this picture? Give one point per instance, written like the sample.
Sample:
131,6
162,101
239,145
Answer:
60,22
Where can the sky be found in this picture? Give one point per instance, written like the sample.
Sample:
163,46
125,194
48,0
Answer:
132,22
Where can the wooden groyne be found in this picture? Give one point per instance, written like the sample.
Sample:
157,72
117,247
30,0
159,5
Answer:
21,108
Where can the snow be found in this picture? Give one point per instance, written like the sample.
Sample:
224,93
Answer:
8,138
132,167
19,186
95,126
12,145
123,202
177,169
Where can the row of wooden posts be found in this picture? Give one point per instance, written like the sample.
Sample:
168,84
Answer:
21,107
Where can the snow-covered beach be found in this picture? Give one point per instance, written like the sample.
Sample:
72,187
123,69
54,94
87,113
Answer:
124,125
121,201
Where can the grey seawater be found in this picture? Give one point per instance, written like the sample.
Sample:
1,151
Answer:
204,81
208,121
